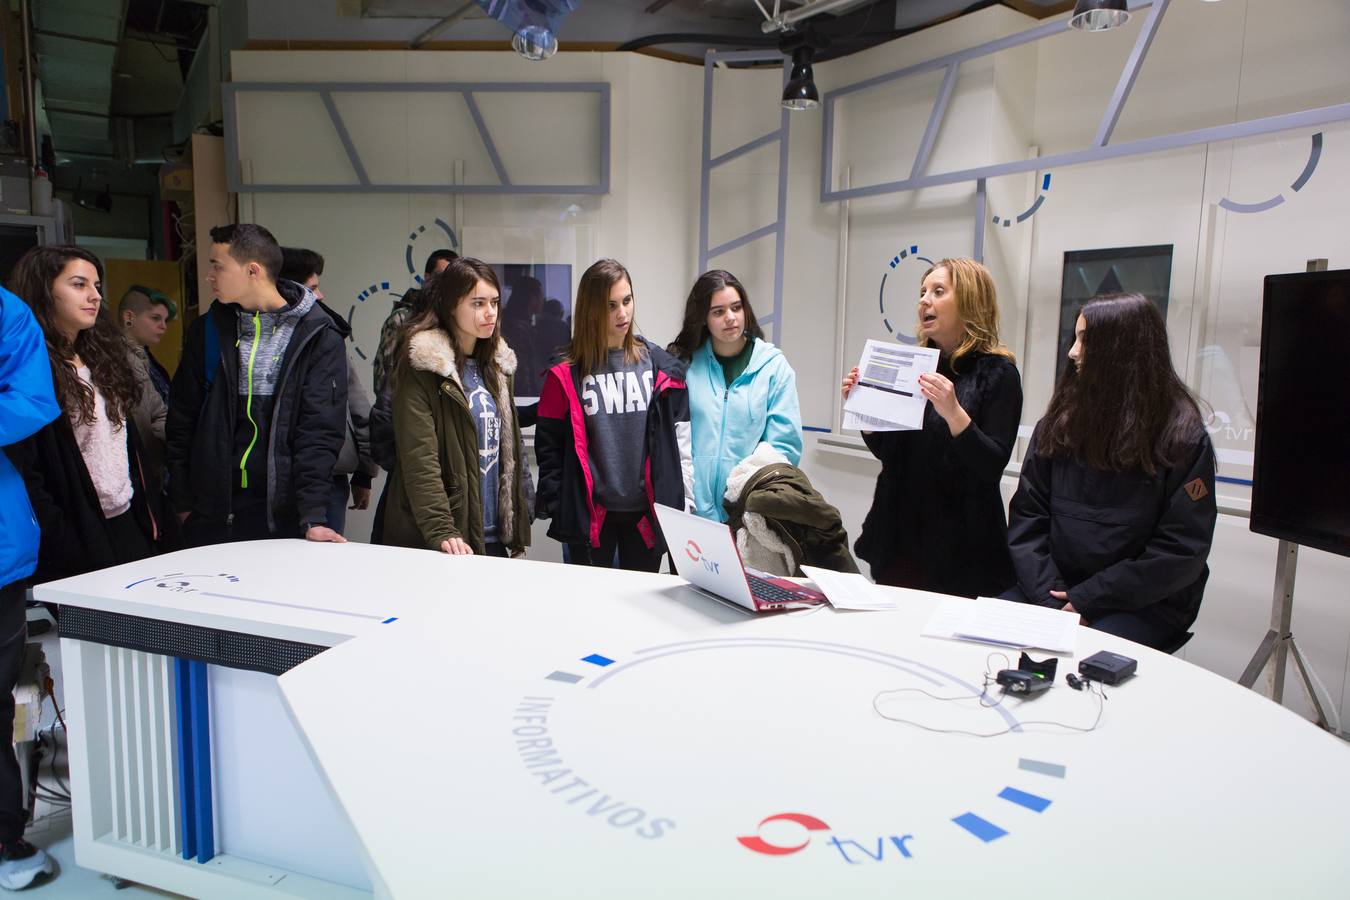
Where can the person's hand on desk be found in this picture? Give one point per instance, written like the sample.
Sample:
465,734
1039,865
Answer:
323,534
456,547
942,394
1068,607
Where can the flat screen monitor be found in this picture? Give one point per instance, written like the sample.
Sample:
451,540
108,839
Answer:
15,241
1301,475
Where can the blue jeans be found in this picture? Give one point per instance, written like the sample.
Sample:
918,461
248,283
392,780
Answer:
337,503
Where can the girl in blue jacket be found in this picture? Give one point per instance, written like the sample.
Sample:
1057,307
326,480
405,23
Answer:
741,389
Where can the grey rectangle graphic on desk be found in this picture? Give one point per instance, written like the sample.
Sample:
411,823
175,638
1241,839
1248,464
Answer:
1054,770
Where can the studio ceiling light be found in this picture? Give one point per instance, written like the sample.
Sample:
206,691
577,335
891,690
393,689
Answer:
800,92
1099,15
533,23
535,42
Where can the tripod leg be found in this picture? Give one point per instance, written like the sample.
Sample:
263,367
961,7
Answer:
1259,660
1308,685
1282,613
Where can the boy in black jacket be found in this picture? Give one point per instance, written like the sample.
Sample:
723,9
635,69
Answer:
257,410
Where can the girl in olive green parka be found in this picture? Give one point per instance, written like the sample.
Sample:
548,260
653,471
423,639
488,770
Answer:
458,486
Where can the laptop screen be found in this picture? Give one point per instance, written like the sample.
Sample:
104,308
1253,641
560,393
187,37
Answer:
705,554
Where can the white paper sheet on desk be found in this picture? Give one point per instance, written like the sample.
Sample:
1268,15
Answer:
848,590
887,396
992,621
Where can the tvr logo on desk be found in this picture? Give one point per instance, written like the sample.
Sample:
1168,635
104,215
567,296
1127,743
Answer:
860,850
696,554
184,583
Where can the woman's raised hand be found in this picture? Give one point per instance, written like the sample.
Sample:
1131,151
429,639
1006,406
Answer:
849,381
942,394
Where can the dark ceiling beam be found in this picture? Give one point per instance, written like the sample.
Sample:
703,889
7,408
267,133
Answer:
1038,10
42,32
66,111
427,36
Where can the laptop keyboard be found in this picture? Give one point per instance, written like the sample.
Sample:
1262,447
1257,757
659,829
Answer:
768,592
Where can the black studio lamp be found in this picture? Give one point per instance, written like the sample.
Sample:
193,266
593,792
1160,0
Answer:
800,92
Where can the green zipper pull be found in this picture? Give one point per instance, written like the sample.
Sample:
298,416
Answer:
248,406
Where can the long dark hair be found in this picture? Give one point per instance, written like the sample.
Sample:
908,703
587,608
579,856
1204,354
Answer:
694,331
589,347
102,347
1126,409
440,297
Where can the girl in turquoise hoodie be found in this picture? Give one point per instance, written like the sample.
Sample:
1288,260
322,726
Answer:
741,389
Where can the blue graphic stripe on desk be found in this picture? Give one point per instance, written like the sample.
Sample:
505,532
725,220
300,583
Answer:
982,828
1022,798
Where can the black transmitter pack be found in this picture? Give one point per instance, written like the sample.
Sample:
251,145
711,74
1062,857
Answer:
1107,667
1029,678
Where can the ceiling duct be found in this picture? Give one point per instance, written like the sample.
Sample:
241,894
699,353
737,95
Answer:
75,42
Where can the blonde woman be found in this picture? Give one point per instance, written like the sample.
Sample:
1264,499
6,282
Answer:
937,521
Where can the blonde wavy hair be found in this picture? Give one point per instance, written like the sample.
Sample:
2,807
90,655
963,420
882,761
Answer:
976,304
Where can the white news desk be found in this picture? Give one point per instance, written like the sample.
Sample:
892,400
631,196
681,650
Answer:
514,729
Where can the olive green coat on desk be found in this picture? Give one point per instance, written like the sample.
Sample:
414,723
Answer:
436,490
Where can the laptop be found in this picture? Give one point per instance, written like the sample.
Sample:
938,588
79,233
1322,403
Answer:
705,555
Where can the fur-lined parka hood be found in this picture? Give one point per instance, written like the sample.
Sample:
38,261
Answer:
431,351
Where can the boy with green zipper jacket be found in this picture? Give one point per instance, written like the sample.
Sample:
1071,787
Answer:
258,406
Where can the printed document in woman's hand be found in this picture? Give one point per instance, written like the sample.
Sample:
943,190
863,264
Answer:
887,396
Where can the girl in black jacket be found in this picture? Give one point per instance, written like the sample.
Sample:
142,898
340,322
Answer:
1115,511
936,521
83,471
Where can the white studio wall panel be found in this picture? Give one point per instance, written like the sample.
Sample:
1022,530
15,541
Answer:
647,220
290,139
743,105
1141,201
435,131
1194,76
744,197
546,139
1210,64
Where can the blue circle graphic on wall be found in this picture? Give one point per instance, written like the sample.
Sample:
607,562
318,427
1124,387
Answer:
909,253
439,225
377,289
1314,157
1008,222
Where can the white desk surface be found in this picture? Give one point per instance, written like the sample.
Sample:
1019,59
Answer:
289,589
711,721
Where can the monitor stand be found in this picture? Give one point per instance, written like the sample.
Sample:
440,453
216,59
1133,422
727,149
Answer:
1279,639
